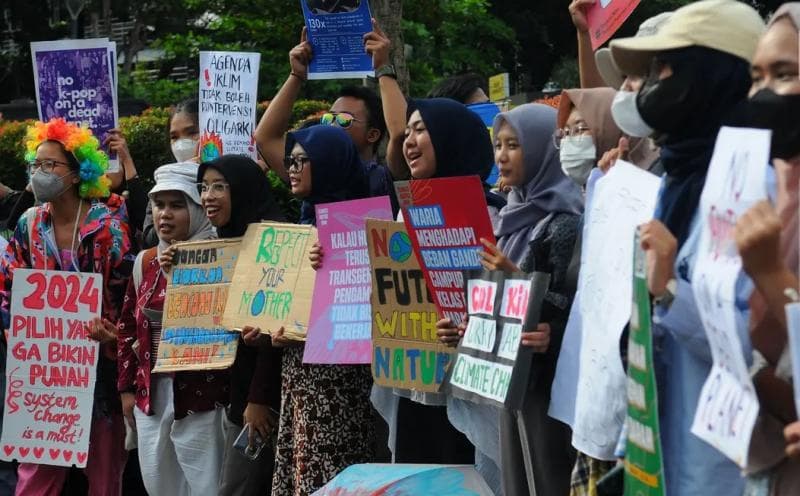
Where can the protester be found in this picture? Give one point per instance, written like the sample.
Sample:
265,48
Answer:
536,231
698,75
326,421
767,238
79,226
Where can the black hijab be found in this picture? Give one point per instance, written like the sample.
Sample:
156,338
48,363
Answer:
251,196
337,173
460,139
720,83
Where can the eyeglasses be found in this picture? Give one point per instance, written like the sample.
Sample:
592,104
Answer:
295,163
46,165
342,119
579,130
214,189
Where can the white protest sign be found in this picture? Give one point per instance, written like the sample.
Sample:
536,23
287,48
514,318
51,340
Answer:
793,328
622,200
728,406
51,367
227,95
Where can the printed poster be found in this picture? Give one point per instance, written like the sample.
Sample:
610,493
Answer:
736,180
622,200
644,463
228,96
76,80
192,335
605,17
341,322
336,30
445,231
491,366
273,281
51,367
407,353
499,88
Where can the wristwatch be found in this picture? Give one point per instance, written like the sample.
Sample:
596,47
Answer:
385,70
668,296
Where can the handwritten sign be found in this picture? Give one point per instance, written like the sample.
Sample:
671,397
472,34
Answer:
341,321
499,88
192,337
407,354
491,367
273,281
623,199
605,18
728,406
76,80
445,231
336,30
644,463
51,367
228,89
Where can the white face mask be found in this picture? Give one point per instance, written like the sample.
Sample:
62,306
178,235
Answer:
627,117
578,156
184,149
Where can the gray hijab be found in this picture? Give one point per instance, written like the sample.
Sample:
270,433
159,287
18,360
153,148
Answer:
547,190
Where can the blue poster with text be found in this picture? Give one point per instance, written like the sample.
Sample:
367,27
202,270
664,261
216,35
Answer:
335,30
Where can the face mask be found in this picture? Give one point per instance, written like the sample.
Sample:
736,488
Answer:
184,149
578,155
627,117
768,110
667,105
48,186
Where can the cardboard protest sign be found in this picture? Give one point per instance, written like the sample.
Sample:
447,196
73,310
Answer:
407,353
51,367
336,30
499,88
228,91
621,200
341,321
728,406
192,336
490,366
644,463
605,18
76,80
445,231
273,281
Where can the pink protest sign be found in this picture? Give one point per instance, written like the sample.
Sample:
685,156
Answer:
51,367
341,319
605,17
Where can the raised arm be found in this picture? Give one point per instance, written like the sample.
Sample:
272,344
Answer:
587,67
394,102
271,131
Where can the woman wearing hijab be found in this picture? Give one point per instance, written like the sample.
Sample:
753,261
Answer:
234,193
536,230
326,421
177,416
767,238
693,85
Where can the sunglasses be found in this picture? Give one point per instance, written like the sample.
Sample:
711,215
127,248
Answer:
342,119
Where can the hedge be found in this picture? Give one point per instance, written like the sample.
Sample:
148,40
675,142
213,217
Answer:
148,141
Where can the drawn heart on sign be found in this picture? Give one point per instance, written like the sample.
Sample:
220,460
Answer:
54,452
67,455
82,457
38,452
8,449
24,452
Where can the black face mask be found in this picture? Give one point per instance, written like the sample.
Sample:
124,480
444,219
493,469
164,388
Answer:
778,113
667,105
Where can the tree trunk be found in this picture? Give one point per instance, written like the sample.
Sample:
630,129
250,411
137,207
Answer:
133,45
389,14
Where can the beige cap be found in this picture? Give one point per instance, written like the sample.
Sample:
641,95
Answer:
609,71
728,26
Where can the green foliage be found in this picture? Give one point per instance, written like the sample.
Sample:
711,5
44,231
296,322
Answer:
161,92
13,172
148,140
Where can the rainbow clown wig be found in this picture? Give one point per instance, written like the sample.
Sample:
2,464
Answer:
92,162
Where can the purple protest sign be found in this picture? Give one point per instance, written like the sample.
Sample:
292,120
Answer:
74,80
340,328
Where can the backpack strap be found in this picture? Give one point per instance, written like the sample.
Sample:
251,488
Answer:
142,260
